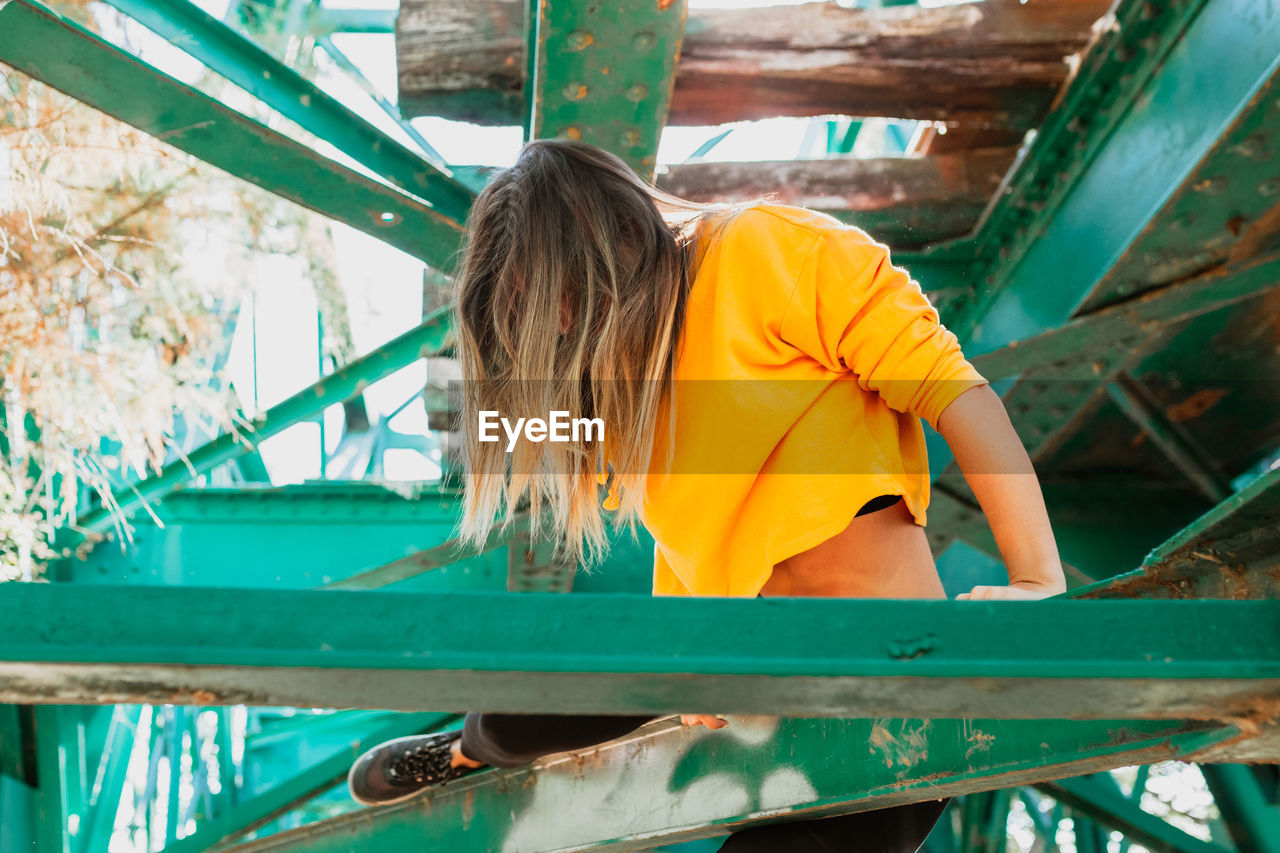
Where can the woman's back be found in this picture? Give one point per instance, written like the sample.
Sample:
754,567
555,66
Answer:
805,363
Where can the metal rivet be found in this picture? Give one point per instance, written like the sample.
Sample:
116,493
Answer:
631,136
1269,188
637,92
578,40
643,41
574,92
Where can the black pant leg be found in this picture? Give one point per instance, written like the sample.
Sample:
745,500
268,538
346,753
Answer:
514,740
898,829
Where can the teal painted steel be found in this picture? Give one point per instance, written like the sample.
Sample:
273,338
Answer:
222,49
603,73
668,783
1218,212
1253,822
355,20
1128,395
1111,78
427,339
307,783
108,776
350,535
1108,806
617,654
1217,64
17,815
40,43
393,112
1120,327
1226,553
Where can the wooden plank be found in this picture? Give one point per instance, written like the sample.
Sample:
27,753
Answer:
905,201
993,63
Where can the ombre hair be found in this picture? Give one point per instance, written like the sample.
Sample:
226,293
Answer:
571,297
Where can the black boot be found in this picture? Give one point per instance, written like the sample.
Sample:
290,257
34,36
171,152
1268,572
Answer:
398,769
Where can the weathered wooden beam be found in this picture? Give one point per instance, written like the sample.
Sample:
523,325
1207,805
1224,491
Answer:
993,63
904,201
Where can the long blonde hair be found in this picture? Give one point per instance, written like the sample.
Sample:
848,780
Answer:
571,297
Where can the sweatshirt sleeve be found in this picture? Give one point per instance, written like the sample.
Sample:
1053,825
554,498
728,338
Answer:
854,311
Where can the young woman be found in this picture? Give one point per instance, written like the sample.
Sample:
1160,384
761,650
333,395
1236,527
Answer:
760,371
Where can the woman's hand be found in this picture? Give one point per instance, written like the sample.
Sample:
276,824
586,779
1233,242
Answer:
711,721
1024,591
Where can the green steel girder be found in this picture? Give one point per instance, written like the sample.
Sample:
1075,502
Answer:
1137,403
1153,99
40,43
1102,801
1229,552
1253,822
603,73
222,49
603,653
309,782
431,337
355,20
1120,327
1063,376
1219,211
427,560
668,783
343,536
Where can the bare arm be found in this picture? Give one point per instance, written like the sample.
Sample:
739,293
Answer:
997,468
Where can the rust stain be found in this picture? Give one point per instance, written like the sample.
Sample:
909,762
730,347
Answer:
468,808
664,5
905,749
1195,405
981,742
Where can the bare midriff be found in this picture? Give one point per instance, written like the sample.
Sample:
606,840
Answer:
882,554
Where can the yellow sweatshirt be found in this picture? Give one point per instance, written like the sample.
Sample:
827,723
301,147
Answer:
807,360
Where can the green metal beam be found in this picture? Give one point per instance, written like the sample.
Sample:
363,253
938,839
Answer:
1253,822
1229,552
1155,97
617,654
222,49
1121,326
668,783
40,43
352,534
431,337
1108,806
428,560
308,783
603,73
1137,403
355,20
